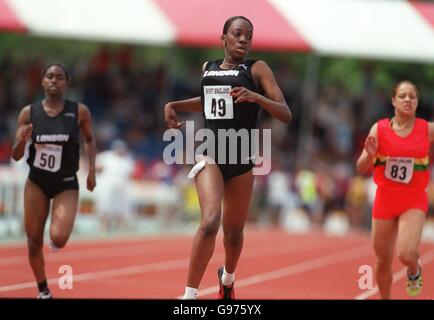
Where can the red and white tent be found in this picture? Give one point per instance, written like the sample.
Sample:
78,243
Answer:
386,29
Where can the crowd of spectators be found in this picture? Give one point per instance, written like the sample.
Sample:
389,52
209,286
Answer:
126,98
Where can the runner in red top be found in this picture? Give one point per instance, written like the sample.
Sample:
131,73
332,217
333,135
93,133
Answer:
397,151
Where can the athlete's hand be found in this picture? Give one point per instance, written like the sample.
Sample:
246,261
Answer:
170,117
371,146
26,132
91,181
242,94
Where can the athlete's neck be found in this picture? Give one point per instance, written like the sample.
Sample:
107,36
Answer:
400,123
53,102
229,63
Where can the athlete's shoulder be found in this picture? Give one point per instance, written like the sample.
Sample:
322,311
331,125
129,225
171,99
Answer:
209,64
422,125
259,67
81,106
383,122
26,108
421,121
34,105
254,61
83,112
204,66
24,115
374,130
257,63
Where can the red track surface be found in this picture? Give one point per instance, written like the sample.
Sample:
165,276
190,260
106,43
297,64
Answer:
273,265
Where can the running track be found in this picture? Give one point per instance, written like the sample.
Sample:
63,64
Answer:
273,265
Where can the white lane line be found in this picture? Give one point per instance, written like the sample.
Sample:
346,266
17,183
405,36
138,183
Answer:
91,253
304,266
152,267
402,273
166,265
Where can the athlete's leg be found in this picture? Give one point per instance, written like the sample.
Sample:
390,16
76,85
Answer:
209,185
63,216
36,206
384,238
237,196
410,227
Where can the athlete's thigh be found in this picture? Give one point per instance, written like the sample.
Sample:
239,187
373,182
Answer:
36,208
384,238
236,203
64,210
410,228
209,186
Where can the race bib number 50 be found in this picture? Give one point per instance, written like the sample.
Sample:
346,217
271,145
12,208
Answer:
399,169
218,103
48,157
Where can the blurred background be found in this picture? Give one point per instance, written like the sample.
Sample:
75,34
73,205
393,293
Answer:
336,62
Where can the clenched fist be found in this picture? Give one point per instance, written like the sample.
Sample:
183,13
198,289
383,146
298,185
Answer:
26,132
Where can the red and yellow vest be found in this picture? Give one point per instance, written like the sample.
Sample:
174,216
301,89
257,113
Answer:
393,150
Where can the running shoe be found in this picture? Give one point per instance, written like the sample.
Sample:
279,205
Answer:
225,292
45,295
414,285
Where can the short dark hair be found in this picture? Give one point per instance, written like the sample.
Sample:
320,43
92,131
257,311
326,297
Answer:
395,88
232,19
59,64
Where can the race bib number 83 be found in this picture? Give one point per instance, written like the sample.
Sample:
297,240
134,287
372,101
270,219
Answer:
399,169
218,103
48,157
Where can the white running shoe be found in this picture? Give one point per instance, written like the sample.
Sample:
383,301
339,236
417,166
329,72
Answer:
45,295
414,285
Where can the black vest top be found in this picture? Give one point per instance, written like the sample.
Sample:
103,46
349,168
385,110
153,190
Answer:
245,113
219,109
54,149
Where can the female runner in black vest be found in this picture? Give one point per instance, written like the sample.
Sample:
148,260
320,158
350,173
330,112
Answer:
52,126
251,86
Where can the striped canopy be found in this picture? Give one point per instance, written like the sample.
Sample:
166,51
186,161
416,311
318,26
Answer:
381,29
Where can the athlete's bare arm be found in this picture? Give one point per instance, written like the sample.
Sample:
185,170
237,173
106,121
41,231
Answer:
273,101
188,105
431,131
85,124
170,109
24,133
365,163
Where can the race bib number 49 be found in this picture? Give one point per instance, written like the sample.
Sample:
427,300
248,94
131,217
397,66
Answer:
48,157
399,169
218,103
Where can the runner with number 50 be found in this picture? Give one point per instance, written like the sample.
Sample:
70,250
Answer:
50,129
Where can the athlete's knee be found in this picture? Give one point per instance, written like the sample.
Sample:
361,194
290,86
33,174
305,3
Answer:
59,239
383,263
34,245
383,254
59,242
382,266
408,256
210,225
